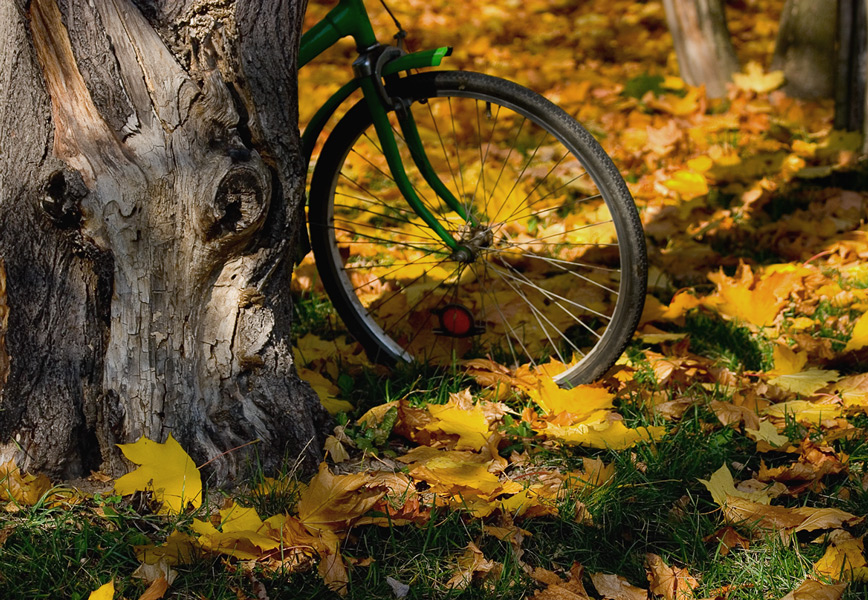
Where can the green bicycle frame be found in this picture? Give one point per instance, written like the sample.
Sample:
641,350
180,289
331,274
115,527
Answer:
350,18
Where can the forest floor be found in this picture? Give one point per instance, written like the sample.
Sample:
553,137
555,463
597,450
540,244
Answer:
725,456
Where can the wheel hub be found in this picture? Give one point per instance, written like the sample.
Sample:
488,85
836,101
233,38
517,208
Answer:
472,241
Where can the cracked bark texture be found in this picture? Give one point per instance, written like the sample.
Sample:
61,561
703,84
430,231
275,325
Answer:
150,186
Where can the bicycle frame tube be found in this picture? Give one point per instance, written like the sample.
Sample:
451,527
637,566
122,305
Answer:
350,18
393,159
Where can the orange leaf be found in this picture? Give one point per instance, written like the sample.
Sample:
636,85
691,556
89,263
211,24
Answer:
156,590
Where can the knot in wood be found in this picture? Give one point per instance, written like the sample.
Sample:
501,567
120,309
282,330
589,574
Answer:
61,199
240,202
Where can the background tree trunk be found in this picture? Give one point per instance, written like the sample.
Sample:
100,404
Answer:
806,48
702,42
852,64
150,184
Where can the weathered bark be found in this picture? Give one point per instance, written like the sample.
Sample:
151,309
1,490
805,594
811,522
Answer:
805,48
703,45
151,181
852,64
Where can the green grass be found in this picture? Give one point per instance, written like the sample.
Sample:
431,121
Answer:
734,346
653,504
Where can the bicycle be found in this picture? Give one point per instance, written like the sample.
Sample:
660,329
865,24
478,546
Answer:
453,214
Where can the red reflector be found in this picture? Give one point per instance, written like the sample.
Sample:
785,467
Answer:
456,320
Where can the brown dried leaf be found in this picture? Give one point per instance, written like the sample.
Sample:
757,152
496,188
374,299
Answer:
334,501
472,563
728,538
804,518
814,590
615,587
22,488
673,583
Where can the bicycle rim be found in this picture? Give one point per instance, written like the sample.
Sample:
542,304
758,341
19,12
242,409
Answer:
557,265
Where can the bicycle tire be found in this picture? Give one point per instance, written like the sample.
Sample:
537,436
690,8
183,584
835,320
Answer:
562,279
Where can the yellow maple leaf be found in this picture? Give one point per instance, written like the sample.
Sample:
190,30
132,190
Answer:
519,503
755,80
452,475
676,105
689,184
613,435
805,383
581,400
804,411
859,337
843,557
768,433
179,549
787,361
470,425
721,486
374,416
752,306
166,470
240,534
103,592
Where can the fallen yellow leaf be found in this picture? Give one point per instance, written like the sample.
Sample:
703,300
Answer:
166,470
689,184
607,434
755,80
103,592
804,411
805,383
240,536
787,361
721,486
844,556
859,337
326,390
581,400
768,433
156,590
471,426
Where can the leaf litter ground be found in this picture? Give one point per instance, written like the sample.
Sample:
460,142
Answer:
724,456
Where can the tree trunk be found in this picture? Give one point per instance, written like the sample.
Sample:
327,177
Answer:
806,48
862,65
702,43
150,185
852,65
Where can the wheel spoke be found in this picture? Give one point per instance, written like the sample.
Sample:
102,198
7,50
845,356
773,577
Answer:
547,240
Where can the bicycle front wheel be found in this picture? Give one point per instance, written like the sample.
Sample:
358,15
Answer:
554,265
